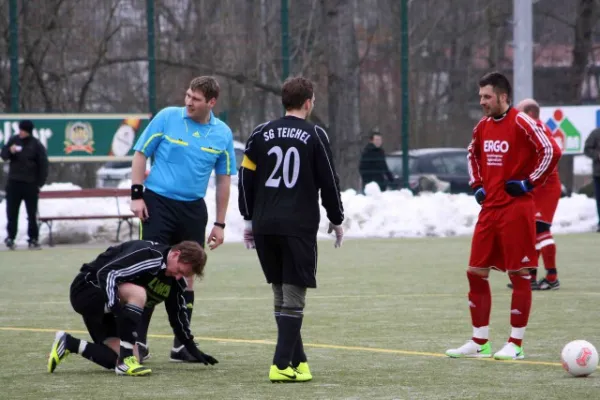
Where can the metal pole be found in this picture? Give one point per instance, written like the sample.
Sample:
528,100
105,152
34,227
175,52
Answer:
523,49
14,56
151,57
405,115
285,34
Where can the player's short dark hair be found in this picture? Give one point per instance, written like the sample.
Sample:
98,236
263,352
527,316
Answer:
533,110
498,81
193,254
295,91
207,85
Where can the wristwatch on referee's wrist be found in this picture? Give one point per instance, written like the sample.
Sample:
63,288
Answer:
220,225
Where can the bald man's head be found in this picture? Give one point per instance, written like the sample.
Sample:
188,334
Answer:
529,107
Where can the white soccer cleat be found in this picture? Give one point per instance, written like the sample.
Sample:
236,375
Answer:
471,350
510,351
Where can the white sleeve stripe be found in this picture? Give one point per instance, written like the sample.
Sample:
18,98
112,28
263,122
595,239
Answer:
119,259
330,167
547,146
183,306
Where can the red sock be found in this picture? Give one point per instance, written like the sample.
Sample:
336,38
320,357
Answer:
520,306
480,303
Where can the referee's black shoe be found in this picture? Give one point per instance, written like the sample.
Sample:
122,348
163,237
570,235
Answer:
180,354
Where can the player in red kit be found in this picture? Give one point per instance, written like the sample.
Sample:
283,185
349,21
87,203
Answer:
546,199
509,156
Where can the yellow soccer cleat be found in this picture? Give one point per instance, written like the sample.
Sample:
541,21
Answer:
304,370
288,375
58,352
131,367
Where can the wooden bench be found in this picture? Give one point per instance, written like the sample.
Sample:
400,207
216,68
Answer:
122,217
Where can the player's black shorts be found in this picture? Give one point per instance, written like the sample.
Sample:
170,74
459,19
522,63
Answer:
172,221
288,259
90,301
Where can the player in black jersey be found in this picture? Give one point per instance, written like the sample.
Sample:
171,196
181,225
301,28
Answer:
286,163
110,293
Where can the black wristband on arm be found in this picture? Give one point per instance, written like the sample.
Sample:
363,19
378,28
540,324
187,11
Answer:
137,192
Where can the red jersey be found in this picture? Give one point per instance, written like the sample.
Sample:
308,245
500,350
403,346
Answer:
510,147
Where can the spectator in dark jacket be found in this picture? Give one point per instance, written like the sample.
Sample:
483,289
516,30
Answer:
27,174
592,150
373,167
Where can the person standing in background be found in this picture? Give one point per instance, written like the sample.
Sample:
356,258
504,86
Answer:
27,174
592,150
373,167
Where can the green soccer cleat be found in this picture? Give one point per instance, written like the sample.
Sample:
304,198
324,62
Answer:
58,352
304,370
471,350
131,367
288,375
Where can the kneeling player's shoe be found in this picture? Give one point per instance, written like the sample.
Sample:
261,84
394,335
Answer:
545,284
130,366
288,375
510,351
535,285
180,354
304,370
58,352
143,351
471,350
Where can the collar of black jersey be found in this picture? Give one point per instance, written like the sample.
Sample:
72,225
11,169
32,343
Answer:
501,116
292,117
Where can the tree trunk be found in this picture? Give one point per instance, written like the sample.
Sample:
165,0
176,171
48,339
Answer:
343,89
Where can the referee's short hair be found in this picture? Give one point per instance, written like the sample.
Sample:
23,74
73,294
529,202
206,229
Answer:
295,91
207,85
191,253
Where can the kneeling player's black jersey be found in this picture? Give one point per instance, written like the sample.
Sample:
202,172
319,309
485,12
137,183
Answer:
143,263
286,163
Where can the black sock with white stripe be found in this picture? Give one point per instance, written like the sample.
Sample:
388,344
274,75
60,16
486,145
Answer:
128,322
96,353
290,323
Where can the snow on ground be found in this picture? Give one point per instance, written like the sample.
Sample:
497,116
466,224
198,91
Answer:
376,214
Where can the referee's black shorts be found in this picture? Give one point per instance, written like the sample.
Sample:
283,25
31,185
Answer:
90,301
172,221
288,259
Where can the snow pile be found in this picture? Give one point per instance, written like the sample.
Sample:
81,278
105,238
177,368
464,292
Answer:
376,214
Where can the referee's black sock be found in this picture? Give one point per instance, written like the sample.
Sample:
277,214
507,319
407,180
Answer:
96,353
290,323
129,320
188,295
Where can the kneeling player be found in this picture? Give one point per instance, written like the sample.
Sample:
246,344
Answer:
110,293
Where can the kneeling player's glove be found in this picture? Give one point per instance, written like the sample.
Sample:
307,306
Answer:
200,356
518,188
479,195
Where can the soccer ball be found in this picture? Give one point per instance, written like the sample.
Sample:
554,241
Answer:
579,358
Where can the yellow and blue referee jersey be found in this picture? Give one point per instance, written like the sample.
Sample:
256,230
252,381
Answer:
185,153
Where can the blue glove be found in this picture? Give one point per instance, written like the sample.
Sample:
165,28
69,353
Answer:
480,195
518,188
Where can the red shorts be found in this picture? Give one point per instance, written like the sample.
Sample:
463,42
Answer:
546,199
504,237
